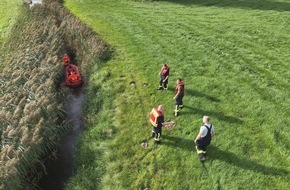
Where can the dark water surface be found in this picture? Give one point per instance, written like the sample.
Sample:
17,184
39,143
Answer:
61,169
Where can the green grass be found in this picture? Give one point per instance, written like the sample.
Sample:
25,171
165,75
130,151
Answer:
8,14
234,59
9,11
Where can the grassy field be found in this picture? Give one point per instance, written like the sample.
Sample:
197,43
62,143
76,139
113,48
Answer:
234,59
9,11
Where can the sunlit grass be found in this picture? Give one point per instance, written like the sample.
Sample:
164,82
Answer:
8,14
234,59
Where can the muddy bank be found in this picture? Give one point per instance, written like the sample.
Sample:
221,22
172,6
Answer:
60,169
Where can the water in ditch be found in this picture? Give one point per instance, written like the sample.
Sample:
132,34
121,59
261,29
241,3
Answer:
59,170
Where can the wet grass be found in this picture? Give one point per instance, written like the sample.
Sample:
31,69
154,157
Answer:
235,63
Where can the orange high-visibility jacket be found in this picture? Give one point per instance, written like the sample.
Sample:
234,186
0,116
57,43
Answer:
154,114
74,78
178,85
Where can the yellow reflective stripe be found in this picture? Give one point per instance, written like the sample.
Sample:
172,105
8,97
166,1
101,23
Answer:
200,151
158,137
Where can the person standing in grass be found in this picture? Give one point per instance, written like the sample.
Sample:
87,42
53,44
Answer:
179,94
157,121
164,75
204,137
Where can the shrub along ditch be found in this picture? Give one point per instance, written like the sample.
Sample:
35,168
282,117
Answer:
32,115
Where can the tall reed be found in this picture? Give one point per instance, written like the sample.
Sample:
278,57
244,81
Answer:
31,109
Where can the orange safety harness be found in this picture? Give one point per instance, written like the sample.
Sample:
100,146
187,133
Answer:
165,70
178,85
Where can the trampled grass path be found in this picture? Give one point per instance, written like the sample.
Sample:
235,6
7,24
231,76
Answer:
234,58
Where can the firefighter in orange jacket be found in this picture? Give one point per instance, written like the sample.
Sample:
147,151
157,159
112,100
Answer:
179,94
157,120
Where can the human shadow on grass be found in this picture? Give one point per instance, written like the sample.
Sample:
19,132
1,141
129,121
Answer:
189,92
201,95
245,4
220,116
231,158
214,153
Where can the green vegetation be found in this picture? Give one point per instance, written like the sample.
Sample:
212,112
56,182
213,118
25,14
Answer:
9,11
234,59
31,100
232,55
29,107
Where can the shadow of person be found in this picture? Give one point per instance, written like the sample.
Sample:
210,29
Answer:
233,159
215,153
189,92
177,142
220,116
201,95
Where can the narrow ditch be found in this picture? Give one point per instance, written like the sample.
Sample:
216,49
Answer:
60,169
59,164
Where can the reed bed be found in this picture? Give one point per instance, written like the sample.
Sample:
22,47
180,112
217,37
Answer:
32,116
